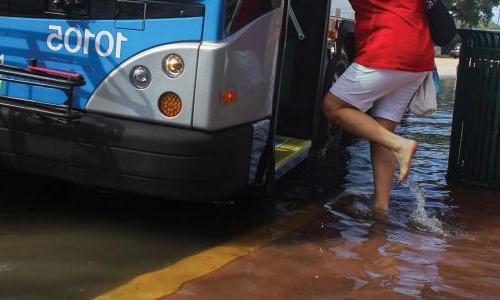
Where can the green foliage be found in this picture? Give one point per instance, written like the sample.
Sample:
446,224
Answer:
472,13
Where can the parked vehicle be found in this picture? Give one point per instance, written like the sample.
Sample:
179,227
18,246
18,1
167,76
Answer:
455,52
186,100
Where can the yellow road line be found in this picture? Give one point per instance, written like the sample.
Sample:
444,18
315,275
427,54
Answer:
168,280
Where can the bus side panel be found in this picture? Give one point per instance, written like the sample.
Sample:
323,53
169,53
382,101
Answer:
214,20
245,63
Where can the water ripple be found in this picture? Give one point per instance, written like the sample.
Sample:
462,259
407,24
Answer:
422,249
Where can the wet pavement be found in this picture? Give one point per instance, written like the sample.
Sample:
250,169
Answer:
59,241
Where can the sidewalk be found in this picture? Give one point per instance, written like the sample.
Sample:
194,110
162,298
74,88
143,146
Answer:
447,67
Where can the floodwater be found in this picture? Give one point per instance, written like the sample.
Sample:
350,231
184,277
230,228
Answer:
59,241
440,241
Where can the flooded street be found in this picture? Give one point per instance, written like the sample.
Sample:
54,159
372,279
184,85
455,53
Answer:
448,250
58,241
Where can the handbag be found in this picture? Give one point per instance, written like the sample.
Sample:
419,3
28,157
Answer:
424,101
441,23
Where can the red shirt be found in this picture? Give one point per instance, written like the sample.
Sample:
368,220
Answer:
393,34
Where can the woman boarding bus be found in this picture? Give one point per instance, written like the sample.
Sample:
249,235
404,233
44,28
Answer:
177,99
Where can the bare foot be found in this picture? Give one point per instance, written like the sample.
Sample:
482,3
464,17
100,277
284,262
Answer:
404,154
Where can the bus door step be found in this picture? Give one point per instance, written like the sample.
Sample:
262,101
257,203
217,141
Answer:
288,153
42,77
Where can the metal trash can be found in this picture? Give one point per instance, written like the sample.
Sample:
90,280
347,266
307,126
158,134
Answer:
475,138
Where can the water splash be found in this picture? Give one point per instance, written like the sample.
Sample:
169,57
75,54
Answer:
406,211
401,213
419,217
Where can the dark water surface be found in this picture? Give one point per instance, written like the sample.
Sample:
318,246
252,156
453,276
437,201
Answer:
60,241
64,242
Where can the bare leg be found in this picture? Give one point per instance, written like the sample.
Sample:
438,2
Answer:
364,126
383,162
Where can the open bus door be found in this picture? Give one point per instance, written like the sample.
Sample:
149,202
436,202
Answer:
307,68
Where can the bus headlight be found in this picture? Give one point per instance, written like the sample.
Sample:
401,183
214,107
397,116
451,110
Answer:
140,77
173,65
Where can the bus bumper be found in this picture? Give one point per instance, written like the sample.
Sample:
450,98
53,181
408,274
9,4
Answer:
126,155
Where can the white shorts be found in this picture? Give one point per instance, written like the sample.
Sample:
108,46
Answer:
386,92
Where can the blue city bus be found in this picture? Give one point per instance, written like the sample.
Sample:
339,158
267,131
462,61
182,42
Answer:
180,99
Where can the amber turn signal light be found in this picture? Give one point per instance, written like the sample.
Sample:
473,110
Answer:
170,104
228,97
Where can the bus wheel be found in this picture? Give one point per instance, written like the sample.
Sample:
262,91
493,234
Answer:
329,135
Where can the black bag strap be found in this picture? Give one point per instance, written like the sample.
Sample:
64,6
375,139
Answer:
441,23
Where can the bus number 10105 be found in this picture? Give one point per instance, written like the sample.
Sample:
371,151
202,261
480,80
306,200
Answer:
105,43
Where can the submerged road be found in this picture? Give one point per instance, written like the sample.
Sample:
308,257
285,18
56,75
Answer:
60,241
